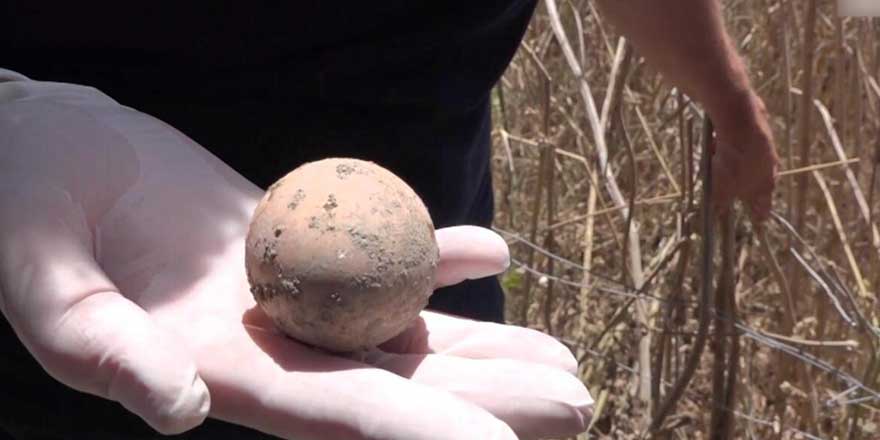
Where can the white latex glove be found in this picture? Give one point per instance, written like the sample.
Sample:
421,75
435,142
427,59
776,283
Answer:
122,271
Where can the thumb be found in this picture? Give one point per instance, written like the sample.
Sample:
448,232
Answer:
72,319
469,252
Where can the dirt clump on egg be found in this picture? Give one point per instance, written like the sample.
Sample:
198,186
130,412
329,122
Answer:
341,254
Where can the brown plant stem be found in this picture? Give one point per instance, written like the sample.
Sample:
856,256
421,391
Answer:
805,139
726,356
693,360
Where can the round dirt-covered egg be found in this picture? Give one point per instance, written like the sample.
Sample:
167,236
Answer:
341,254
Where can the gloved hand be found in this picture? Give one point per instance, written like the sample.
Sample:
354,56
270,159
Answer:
122,272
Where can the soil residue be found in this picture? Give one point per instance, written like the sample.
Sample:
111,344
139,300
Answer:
344,170
298,197
331,203
290,284
270,250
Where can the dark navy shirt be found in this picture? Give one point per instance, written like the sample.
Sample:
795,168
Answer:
267,86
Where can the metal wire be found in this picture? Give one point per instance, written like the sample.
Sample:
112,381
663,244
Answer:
742,415
619,289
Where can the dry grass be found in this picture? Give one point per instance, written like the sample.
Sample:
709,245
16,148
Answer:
597,166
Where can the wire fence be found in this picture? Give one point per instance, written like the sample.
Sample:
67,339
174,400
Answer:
854,391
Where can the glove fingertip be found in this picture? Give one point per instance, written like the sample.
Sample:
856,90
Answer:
187,411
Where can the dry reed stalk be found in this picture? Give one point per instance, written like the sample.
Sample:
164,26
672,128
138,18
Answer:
858,103
790,313
533,233
579,26
599,138
656,150
674,316
644,309
726,357
847,344
549,239
611,106
873,100
838,226
718,412
661,362
840,95
651,118
599,24
800,202
818,166
805,125
862,202
589,227
841,235
616,82
673,313
589,104
689,155
693,360
684,157
873,180
658,200
789,105
507,200
839,127
536,204
597,413
603,209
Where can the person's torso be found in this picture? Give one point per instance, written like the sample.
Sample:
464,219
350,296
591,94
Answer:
449,49
402,83
267,86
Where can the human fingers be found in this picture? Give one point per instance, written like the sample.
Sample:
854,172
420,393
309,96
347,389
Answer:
749,177
760,201
266,381
760,205
72,319
746,162
469,252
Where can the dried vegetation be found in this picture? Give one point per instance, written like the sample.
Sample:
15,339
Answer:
754,333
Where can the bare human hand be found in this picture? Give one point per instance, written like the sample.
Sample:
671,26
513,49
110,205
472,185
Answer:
122,272
745,162
686,41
